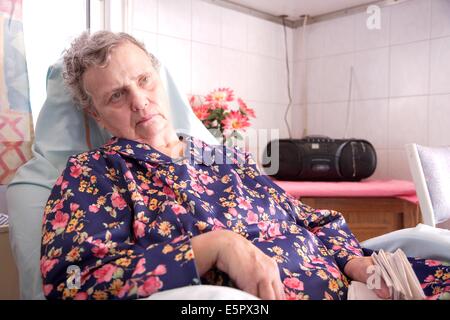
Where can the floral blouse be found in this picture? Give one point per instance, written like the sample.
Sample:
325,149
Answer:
124,215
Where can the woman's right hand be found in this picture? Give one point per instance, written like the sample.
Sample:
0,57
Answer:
357,269
251,270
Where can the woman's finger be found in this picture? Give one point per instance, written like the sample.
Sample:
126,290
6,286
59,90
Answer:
279,290
253,290
384,292
266,290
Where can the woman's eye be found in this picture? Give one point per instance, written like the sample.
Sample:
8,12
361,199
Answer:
145,80
116,96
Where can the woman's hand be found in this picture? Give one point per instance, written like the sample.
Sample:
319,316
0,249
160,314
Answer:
356,269
250,269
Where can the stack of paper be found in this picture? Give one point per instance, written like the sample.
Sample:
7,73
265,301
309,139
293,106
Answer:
396,271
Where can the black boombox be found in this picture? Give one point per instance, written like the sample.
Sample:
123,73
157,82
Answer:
318,158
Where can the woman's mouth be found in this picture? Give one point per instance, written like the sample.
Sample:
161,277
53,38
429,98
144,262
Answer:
147,118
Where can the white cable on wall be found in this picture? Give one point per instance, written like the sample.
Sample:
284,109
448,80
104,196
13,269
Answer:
349,104
288,79
304,83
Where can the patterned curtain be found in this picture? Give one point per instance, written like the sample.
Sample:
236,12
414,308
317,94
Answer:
16,125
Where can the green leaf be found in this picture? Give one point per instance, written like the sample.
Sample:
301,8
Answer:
118,274
133,291
228,216
238,135
445,296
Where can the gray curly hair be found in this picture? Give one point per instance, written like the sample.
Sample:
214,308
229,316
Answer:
92,50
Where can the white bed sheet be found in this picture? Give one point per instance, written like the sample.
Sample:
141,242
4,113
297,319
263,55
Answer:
202,292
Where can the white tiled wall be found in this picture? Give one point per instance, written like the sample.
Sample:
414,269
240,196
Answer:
207,46
409,69
410,21
401,79
401,73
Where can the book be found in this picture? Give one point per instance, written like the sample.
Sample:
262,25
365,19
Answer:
396,271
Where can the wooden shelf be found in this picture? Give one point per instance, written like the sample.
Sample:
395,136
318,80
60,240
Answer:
371,217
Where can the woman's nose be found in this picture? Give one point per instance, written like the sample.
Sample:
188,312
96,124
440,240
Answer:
138,100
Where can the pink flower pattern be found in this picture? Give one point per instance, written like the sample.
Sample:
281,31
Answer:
127,213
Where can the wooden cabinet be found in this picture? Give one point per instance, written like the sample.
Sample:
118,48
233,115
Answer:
371,217
9,280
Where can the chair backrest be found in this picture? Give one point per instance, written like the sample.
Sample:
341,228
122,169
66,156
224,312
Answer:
430,169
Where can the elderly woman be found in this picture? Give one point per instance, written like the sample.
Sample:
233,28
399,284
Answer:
146,213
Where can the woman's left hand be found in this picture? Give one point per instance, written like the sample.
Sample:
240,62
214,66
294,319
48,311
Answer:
356,269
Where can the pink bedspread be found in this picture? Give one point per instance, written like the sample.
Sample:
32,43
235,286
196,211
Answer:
367,188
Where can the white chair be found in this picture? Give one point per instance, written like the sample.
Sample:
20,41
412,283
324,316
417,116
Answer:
430,169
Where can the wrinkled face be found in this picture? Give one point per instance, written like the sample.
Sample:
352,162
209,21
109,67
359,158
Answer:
128,96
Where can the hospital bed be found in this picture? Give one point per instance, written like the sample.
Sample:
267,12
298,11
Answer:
62,130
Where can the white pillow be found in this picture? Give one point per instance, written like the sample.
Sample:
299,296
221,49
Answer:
422,241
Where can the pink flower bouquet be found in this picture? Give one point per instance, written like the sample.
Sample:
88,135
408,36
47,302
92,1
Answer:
223,114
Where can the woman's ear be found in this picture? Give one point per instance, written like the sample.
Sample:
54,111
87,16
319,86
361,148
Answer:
90,110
